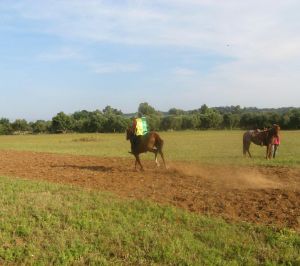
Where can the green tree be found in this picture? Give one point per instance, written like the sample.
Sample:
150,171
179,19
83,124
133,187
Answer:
275,118
294,122
116,123
204,109
146,109
248,121
5,127
96,122
81,115
153,121
40,126
190,122
211,119
20,125
171,122
231,121
62,123
285,121
80,125
81,120
108,110
236,109
174,111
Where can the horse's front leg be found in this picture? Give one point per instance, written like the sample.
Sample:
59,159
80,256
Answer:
135,163
138,161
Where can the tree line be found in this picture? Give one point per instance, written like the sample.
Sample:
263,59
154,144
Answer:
113,120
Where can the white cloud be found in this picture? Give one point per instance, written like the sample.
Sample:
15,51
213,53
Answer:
64,53
251,28
108,68
180,71
262,36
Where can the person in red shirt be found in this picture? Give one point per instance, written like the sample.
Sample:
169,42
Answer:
276,143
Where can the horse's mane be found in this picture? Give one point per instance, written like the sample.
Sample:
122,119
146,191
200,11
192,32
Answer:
275,130
129,133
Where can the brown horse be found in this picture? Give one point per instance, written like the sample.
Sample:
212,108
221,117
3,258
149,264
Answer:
150,142
262,138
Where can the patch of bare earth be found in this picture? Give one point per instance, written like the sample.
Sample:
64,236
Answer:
265,195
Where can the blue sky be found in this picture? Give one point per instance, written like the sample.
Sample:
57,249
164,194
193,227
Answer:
64,55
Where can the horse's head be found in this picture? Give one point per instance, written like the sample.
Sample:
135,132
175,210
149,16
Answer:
129,133
276,129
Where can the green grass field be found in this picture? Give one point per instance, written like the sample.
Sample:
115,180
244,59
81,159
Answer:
203,146
48,224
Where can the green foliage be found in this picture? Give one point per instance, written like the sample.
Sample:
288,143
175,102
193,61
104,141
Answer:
116,123
110,120
20,125
95,122
175,111
294,122
231,121
108,110
211,119
47,224
82,115
146,109
254,120
191,121
40,126
171,122
113,120
204,109
61,123
154,122
5,127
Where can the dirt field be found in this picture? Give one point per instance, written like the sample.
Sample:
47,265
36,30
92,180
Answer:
265,195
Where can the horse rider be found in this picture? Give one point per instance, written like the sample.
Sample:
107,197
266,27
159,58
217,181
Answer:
139,128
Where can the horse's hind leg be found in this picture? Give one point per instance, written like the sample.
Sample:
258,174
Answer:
247,149
162,156
156,160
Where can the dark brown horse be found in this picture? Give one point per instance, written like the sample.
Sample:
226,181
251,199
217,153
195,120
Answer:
262,138
150,142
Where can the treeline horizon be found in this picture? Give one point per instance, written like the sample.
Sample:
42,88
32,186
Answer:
113,120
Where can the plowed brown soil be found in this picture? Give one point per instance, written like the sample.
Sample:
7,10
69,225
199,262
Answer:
265,195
